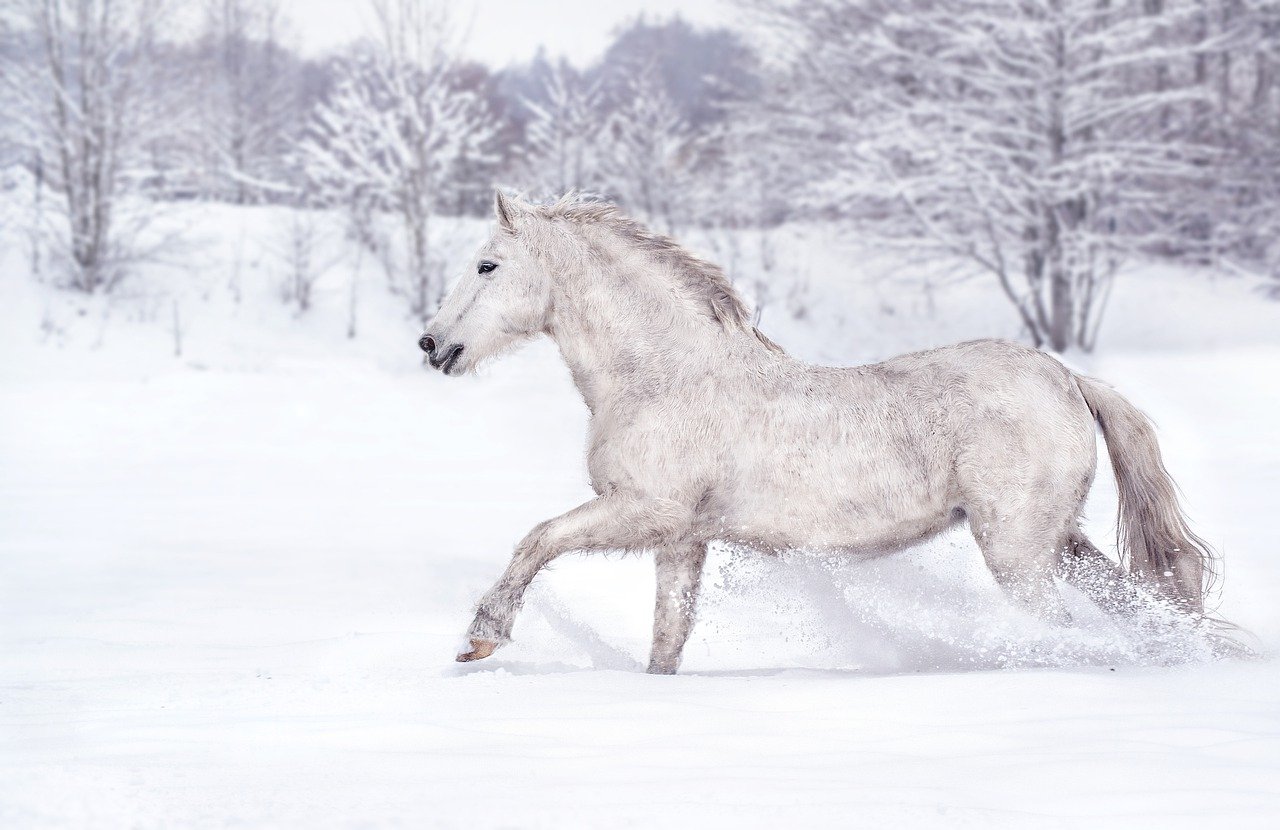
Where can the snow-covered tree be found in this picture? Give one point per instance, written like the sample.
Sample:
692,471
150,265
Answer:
1260,153
561,133
90,114
1245,201
248,106
1016,133
649,151
739,192
393,137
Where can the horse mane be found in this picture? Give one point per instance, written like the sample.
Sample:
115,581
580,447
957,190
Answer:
704,281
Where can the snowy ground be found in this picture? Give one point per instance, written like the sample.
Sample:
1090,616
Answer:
232,584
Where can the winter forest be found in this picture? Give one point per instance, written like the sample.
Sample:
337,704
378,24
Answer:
244,527
1042,143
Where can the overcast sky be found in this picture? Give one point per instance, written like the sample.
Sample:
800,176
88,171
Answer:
506,31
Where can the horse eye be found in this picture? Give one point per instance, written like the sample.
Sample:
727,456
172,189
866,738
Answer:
486,267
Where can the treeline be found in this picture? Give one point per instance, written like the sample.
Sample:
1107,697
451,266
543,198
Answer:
1045,141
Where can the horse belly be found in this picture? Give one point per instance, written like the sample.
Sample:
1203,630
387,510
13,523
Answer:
854,504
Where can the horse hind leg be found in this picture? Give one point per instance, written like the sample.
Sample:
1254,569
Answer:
1022,554
679,571
1091,572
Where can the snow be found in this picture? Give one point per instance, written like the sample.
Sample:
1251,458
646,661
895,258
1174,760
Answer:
232,583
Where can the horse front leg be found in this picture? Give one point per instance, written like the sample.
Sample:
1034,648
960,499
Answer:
679,579
612,522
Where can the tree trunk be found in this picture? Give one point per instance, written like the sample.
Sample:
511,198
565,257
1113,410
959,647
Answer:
1062,306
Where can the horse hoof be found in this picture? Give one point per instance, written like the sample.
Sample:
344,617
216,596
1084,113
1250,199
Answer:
480,649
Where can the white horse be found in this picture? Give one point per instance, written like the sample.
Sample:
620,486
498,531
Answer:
703,429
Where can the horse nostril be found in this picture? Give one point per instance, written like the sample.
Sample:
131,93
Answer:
427,344
450,358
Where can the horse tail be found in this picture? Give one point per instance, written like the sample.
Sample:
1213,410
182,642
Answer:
1156,544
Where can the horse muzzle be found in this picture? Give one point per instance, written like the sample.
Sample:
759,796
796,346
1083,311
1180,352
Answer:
445,357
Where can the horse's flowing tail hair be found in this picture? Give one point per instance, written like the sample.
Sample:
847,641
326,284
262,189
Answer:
1155,543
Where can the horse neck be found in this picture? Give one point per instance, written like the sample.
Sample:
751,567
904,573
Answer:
624,337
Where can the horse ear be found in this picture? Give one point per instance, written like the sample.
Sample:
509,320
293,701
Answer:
505,210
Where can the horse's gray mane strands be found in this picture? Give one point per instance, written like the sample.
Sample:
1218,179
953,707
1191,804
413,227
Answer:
703,280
